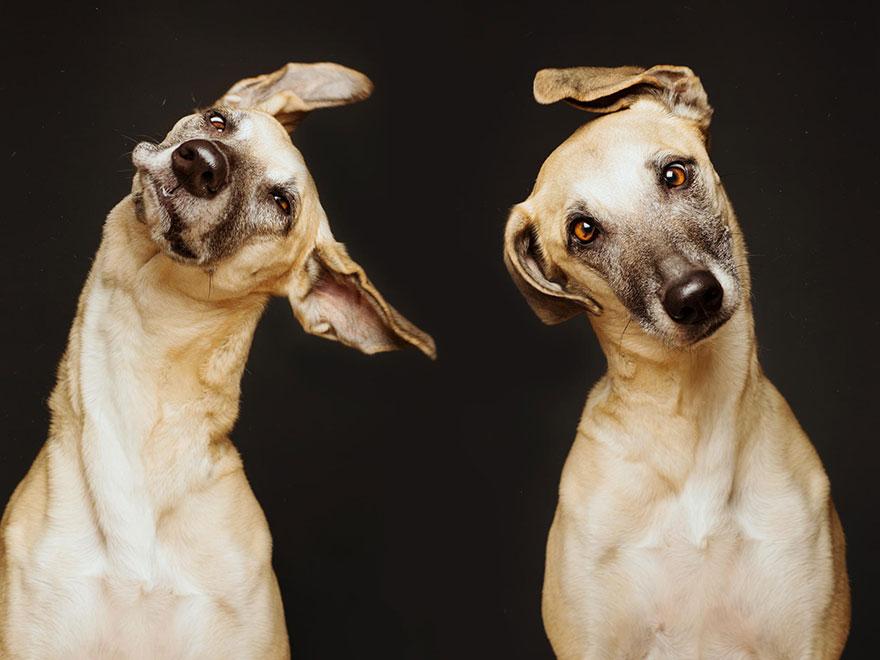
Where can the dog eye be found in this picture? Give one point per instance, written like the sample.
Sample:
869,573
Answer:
217,120
583,229
282,202
675,175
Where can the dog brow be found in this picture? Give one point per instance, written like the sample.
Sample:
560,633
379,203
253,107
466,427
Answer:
660,158
288,186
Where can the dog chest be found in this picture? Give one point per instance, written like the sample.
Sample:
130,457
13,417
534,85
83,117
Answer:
206,584
703,572
89,609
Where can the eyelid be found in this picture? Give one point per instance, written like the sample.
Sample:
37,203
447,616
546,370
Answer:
579,212
686,161
284,192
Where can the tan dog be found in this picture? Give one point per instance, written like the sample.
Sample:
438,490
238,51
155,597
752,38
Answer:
694,516
135,534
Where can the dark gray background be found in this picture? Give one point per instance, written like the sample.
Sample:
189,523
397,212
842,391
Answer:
410,500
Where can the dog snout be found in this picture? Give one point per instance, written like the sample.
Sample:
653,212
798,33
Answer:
693,297
200,167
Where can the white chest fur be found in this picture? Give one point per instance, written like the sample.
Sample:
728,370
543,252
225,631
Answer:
135,534
722,564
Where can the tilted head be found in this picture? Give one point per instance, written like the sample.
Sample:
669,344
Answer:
227,193
628,218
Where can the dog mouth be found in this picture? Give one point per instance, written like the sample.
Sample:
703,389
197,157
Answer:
681,337
655,321
688,307
168,231
709,328
690,335
173,236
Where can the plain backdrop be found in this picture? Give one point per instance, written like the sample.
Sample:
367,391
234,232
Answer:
409,500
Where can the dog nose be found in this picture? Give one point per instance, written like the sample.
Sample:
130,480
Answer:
693,297
200,167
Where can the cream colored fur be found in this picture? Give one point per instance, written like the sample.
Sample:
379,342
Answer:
135,534
694,516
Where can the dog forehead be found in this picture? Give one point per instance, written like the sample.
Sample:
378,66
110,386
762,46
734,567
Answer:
606,163
268,143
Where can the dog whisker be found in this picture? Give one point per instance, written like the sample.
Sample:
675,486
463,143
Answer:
128,137
620,340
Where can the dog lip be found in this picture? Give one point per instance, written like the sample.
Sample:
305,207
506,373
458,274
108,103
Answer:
176,244
162,192
178,248
172,236
711,328
141,153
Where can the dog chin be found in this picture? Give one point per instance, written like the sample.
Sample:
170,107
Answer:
177,250
693,336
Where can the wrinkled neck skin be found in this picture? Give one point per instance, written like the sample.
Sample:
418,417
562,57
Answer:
642,368
149,385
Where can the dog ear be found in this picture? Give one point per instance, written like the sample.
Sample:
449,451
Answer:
524,259
296,89
337,301
602,89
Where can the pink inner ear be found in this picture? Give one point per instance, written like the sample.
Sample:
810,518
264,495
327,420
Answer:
354,318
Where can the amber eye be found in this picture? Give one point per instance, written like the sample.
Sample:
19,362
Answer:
675,175
217,120
583,229
282,202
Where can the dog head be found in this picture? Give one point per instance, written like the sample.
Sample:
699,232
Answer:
628,217
228,194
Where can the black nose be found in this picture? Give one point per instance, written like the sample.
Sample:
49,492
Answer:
693,297
200,167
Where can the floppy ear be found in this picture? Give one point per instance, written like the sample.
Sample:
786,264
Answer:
338,302
296,89
603,89
525,261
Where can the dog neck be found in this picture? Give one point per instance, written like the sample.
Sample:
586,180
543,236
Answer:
696,391
149,385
